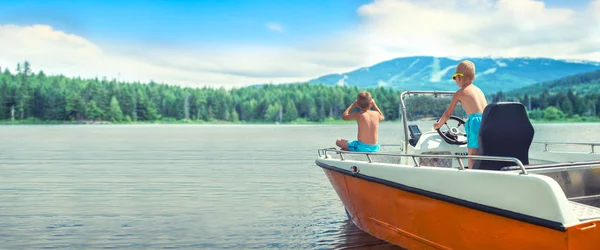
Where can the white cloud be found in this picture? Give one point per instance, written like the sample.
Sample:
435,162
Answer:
275,27
507,28
56,52
388,29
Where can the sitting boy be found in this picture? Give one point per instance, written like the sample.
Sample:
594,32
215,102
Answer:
472,100
368,125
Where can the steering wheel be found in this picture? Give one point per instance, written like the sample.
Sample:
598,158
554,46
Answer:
452,134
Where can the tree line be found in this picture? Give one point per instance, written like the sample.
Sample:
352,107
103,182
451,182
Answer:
28,95
556,106
572,97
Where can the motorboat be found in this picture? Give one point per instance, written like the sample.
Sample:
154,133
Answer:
419,194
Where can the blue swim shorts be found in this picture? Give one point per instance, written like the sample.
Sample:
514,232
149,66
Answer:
358,146
472,126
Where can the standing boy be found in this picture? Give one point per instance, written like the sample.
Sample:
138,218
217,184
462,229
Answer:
472,100
368,125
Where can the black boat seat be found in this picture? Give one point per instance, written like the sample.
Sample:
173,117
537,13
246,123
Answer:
505,131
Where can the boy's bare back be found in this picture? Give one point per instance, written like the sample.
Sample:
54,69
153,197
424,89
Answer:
472,99
368,126
470,96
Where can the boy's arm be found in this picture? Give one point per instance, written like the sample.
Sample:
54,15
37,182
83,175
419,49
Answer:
448,112
381,117
346,115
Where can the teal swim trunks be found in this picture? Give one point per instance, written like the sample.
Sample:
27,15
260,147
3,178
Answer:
358,146
472,126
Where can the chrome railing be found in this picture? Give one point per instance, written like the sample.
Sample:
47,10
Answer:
547,144
323,153
553,167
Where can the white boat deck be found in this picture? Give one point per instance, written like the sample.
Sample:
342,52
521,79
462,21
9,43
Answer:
584,212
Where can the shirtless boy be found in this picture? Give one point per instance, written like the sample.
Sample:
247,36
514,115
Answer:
368,125
472,100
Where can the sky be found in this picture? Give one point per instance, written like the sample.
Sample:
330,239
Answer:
234,43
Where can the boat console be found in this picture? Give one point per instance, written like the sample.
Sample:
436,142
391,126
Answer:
415,134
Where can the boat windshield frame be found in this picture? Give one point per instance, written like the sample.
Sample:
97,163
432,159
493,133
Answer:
403,108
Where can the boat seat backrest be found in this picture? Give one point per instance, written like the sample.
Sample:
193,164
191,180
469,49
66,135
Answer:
505,131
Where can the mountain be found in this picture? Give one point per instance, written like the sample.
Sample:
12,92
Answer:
585,83
434,73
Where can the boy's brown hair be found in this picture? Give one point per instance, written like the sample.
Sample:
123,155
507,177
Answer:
467,68
364,100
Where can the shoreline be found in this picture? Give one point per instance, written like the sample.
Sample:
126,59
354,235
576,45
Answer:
216,122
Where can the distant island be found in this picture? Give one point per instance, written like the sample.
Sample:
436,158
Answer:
36,98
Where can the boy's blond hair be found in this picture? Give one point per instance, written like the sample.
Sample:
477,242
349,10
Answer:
364,100
467,68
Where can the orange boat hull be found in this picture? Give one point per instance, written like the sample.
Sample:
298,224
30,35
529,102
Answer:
412,220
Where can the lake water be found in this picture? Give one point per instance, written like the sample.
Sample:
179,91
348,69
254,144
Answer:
188,186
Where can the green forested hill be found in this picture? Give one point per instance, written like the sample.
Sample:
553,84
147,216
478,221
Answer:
575,96
36,96
28,97
584,83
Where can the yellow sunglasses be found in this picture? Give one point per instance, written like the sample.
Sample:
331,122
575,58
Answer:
455,75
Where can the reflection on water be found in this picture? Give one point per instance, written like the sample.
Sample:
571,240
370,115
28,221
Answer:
191,186
348,236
